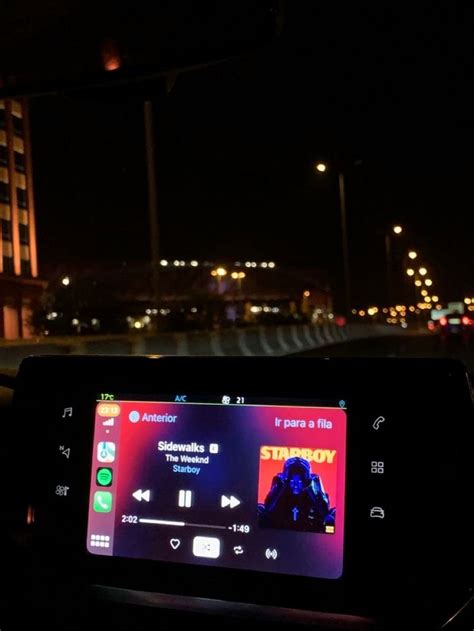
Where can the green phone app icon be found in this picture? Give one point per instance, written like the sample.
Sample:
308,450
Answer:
104,476
102,501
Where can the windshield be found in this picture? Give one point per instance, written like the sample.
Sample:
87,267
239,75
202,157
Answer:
280,180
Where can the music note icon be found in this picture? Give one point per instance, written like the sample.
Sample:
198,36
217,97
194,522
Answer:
67,412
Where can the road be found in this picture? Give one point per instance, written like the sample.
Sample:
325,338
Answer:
400,346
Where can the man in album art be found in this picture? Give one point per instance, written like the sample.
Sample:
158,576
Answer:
297,500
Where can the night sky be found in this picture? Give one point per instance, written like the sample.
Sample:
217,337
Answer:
236,144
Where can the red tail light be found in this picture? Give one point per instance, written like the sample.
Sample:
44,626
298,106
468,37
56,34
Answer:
466,321
443,321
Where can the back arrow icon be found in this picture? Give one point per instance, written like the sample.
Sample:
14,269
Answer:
142,495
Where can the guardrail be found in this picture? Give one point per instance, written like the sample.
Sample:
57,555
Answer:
271,341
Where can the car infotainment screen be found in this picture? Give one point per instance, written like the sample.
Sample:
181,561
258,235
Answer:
227,482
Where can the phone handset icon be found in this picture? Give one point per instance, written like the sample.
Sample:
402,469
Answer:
378,422
103,504
102,501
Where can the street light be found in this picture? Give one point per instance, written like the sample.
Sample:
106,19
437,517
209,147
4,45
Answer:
423,271
66,281
428,282
239,276
412,255
220,272
321,167
410,272
418,283
397,230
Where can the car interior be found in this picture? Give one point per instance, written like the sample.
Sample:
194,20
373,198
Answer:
273,461
171,489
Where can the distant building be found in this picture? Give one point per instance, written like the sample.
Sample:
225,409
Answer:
192,294
19,284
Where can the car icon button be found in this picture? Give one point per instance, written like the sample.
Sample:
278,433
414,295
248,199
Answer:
377,512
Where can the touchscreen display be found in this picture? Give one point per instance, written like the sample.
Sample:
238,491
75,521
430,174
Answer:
255,485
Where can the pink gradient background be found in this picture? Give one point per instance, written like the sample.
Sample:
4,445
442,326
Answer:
241,430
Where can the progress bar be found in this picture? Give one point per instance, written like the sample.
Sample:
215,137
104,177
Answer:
162,522
181,524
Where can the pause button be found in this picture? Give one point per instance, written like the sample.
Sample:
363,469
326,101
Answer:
185,499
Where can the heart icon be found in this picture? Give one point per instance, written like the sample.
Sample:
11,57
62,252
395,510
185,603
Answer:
175,543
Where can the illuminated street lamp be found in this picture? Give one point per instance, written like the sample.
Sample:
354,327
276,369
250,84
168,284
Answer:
220,272
410,272
412,255
321,168
66,281
423,271
428,282
239,276
396,230
418,283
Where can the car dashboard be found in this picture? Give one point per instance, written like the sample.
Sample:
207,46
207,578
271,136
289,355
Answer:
284,491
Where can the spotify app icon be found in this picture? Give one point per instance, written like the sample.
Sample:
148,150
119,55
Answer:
104,476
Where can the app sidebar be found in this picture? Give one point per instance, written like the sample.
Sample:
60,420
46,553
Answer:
100,532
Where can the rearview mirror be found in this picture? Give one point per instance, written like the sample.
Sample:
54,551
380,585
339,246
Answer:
61,46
